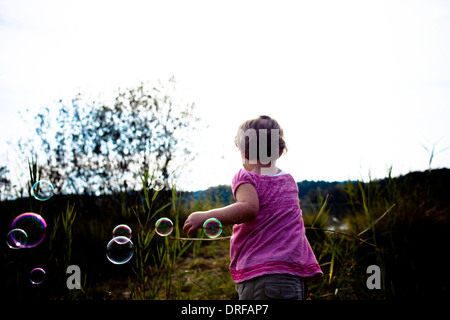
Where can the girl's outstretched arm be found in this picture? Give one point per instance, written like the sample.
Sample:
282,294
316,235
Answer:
245,209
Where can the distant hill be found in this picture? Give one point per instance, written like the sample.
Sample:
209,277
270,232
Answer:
312,192
430,185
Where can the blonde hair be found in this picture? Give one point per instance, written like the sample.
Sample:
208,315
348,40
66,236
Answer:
259,126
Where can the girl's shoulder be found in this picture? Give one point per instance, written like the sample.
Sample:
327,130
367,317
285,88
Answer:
251,177
243,174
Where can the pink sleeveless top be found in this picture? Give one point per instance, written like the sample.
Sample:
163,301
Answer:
275,241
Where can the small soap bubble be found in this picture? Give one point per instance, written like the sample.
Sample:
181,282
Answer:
122,230
119,250
16,239
34,227
212,228
157,184
164,227
37,276
43,190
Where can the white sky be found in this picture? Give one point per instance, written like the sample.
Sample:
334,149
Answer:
358,86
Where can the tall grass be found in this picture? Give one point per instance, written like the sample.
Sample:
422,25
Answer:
156,258
399,224
153,272
345,255
53,254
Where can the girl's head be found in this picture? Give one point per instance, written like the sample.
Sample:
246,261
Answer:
260,140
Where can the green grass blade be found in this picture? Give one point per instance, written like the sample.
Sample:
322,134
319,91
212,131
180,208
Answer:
321,211
160,209
341,233
376,221
331,266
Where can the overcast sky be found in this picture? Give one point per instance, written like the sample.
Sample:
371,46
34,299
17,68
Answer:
358,86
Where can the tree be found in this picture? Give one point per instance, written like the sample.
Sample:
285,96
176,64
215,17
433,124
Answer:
4,181
105,147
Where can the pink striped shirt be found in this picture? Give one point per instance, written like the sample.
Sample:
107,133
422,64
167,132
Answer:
275,241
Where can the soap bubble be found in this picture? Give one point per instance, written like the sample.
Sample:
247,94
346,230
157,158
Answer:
212,228
122,230
16,238
43,190
34,227
157,184
37,276
119,250
164,227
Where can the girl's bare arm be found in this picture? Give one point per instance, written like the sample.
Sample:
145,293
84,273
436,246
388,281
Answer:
245,209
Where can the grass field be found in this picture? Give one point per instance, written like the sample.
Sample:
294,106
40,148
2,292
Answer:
399,224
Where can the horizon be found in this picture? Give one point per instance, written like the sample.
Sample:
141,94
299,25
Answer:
338,181
229,185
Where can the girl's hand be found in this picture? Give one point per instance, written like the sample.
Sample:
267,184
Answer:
194,222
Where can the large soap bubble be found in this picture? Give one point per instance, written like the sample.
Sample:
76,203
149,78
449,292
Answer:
33,226
164,227
212,228
43,190
119,250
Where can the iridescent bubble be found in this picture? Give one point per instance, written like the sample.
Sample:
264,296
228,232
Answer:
33,225
212,228
122,230
16,239
157,184
37,276
43,190
164,227
119,250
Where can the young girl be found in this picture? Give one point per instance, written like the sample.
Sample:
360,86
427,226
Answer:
270,254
